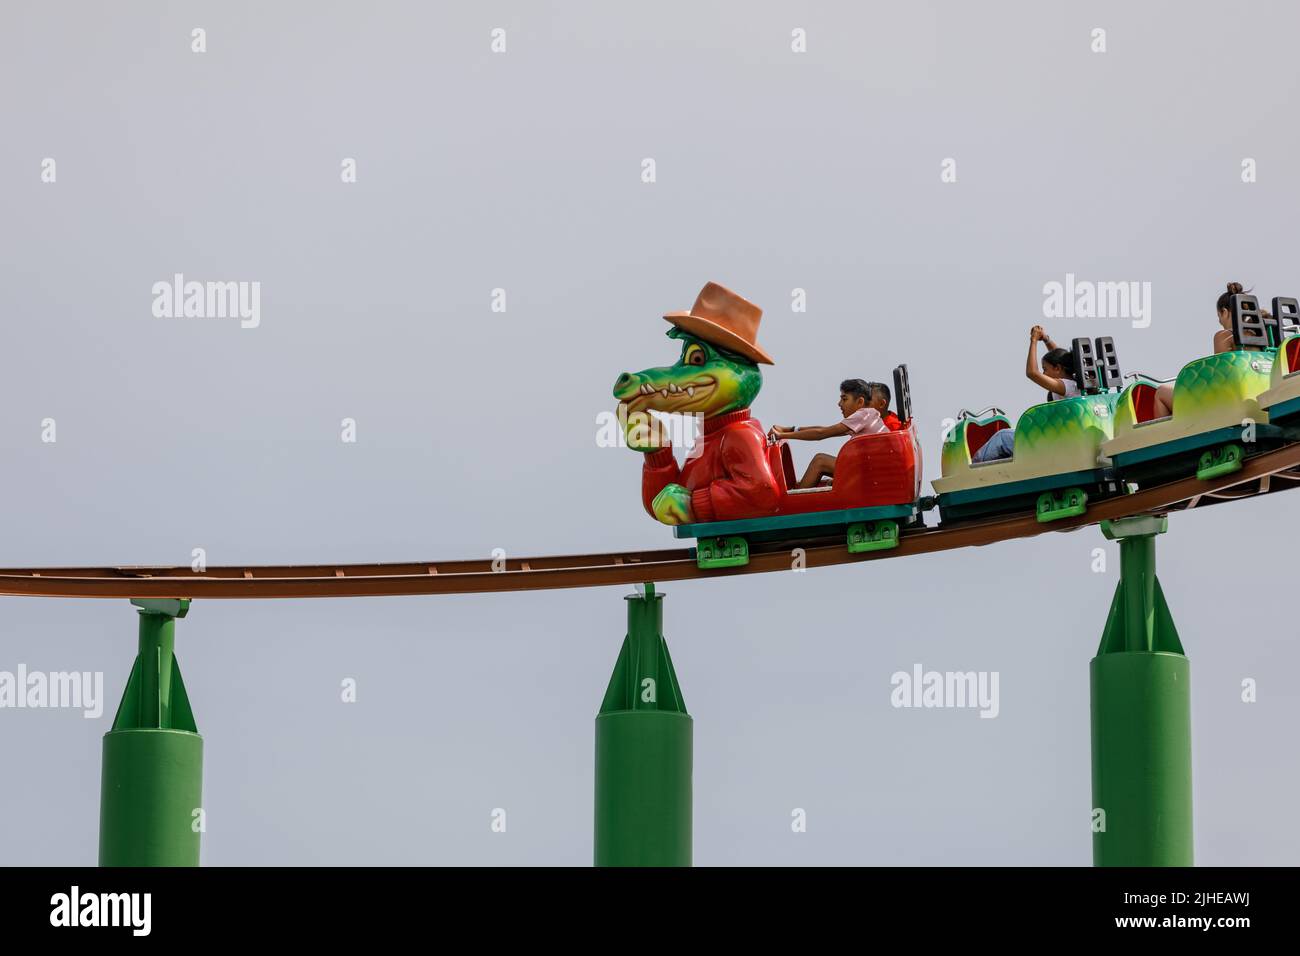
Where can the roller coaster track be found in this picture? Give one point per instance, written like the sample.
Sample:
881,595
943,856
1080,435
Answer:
1264,474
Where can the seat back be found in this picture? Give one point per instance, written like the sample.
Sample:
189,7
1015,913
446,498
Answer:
1292,350
1284,323
1085,367
1249,329
1144,401
1108,373
781,461
978,435
902,394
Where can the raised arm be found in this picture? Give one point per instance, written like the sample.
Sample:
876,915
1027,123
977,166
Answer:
1032,371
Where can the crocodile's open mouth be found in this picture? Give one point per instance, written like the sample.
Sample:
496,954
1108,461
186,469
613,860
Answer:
671,397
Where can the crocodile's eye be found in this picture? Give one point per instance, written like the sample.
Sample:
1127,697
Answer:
694,355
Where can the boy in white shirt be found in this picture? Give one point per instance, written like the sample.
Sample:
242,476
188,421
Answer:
864,407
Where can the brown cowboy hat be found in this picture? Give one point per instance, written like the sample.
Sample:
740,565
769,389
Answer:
722,318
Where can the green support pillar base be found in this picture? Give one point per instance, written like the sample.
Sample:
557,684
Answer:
643,751
152,782
1141,717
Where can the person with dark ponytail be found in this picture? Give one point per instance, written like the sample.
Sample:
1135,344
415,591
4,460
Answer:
1223,342
1056,375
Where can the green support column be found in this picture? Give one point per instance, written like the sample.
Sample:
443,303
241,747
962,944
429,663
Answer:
643,750
153,757
1141,716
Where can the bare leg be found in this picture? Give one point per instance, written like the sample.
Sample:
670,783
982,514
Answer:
1164,403
821,466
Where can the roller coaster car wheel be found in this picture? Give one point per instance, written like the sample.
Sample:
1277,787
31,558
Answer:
729,551
872,536
1052,506
1223,460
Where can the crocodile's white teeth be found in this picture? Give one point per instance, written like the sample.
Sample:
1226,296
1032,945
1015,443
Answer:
690,391
672,387
645,388
664,393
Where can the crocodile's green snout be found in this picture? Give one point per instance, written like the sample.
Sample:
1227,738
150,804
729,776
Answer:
705,380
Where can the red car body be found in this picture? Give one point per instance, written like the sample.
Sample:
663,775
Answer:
870,471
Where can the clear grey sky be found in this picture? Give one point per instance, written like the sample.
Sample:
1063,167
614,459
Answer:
477,429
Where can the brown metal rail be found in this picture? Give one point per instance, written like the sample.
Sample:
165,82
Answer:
1265,474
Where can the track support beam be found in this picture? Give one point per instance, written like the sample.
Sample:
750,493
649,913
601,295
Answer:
1141,716
152,786
643,750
